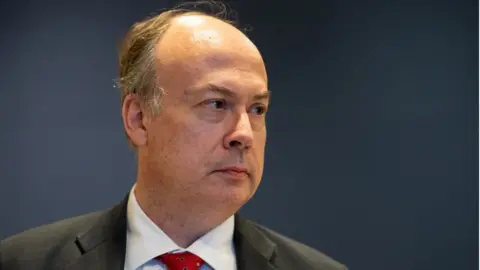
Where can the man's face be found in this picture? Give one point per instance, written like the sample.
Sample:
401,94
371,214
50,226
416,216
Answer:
208,140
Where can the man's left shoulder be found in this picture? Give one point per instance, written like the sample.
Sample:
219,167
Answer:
288,248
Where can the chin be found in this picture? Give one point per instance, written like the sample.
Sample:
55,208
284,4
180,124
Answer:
228,190
232,196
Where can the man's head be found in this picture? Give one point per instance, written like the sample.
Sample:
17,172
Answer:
194,102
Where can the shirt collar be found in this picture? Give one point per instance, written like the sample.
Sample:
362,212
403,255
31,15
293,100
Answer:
146,241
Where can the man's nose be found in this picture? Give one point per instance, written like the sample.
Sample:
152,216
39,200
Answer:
241,135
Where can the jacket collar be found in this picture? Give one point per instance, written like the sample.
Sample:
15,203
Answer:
103,245
253,249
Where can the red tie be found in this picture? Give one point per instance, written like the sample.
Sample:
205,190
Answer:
181,261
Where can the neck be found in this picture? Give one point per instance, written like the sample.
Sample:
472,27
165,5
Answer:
183,223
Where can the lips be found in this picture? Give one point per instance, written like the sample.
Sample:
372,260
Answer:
234,171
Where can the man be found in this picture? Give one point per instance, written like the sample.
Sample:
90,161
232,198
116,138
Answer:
194,99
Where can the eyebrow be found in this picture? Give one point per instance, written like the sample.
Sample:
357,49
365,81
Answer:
265,95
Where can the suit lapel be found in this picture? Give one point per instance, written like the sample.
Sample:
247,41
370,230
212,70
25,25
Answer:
103,246
253,250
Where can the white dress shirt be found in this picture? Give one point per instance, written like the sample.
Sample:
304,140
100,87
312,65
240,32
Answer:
145,241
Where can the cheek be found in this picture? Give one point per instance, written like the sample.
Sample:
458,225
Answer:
260,139
259,148
193,144
176,155
200,136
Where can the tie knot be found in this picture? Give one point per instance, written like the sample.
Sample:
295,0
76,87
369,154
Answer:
181,261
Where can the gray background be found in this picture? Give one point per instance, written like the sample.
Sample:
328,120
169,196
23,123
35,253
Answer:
373,131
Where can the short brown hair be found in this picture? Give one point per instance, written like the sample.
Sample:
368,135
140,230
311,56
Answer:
136,58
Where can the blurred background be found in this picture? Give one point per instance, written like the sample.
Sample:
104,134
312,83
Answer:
372,154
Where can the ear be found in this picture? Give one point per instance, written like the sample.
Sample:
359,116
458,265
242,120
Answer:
133,120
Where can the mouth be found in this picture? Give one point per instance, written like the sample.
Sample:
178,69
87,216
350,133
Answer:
233,172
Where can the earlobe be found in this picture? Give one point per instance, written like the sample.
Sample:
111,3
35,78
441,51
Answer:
133,120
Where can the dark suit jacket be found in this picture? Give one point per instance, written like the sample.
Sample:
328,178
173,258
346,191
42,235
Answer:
96,241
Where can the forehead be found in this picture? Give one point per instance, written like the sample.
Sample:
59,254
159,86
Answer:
199,48
199,35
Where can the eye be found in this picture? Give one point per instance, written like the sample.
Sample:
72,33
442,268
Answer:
217,104
259,109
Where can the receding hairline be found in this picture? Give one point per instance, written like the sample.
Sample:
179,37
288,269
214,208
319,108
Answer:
178,14
184,31
143,37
